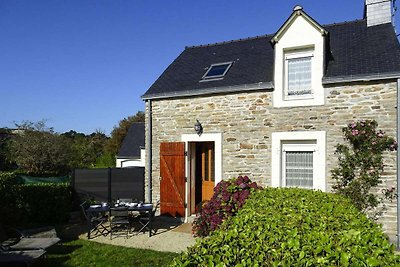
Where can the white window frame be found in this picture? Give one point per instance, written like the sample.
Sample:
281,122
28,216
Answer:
216,77
296,55
310,140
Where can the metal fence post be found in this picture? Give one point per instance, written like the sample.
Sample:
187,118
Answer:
109,185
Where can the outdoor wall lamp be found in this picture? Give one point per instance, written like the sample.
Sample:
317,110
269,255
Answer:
198,128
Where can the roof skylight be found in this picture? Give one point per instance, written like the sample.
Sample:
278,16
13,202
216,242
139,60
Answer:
216,71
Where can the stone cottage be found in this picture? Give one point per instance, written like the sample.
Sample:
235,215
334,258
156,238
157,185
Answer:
271,107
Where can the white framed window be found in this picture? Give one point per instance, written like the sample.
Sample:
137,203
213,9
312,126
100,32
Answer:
299,46
298,75
298,159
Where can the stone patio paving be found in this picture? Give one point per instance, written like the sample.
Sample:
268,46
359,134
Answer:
171,235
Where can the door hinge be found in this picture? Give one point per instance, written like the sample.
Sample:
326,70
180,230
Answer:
186,153
185,179
185,205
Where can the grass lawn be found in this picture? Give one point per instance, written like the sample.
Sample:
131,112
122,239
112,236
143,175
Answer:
87,253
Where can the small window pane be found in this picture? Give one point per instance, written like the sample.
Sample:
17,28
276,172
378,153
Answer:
212,161
217,70
299,76
299,169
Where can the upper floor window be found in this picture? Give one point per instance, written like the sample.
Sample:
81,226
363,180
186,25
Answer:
298,75
216,71
299,62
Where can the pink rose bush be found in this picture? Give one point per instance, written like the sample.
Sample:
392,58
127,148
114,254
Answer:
361,164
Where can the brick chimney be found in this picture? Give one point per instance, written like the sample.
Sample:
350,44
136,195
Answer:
378,12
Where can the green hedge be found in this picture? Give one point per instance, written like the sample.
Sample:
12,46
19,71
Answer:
9,211
45,203
31,204
293,227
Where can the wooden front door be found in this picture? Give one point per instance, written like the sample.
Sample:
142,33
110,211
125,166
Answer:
202,174
206,155
172,184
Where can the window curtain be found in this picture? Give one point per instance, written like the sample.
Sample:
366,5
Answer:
299,169
299,76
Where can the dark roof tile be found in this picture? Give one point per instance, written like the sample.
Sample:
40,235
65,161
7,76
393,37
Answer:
355,50
360,50
133,141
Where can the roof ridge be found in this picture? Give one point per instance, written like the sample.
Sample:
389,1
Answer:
230,41
342,23
265,35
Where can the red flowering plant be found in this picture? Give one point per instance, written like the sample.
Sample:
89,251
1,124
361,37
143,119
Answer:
229,196
361,166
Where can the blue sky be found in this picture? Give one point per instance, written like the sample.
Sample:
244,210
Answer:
83,65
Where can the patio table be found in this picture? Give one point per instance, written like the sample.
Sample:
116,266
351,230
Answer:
144,209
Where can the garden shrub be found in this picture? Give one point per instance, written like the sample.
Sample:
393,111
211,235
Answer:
293,227
229,196
45,203
9,211
30,204
361,166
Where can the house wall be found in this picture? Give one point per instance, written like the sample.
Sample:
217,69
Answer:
129,162
247,121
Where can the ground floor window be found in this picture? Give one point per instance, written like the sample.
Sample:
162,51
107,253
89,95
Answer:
298,165
298,159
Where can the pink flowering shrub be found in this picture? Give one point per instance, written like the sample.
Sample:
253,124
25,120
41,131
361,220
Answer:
229,196
361,165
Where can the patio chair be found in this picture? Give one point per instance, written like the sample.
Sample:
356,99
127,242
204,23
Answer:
146,219
95,221
18,257
23,242
119,221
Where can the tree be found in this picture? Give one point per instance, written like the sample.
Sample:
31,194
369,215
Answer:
361,166
5,135
119,132
38,150
85,149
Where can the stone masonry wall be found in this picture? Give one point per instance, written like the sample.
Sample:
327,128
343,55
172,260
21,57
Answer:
247,120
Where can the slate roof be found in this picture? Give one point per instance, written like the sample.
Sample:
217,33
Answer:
356,51
133,141
361,50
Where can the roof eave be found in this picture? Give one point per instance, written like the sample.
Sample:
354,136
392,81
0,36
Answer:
360,78
127,157
211,90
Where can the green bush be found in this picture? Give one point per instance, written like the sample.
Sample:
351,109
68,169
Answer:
9,211
42,203
293,227
45,203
